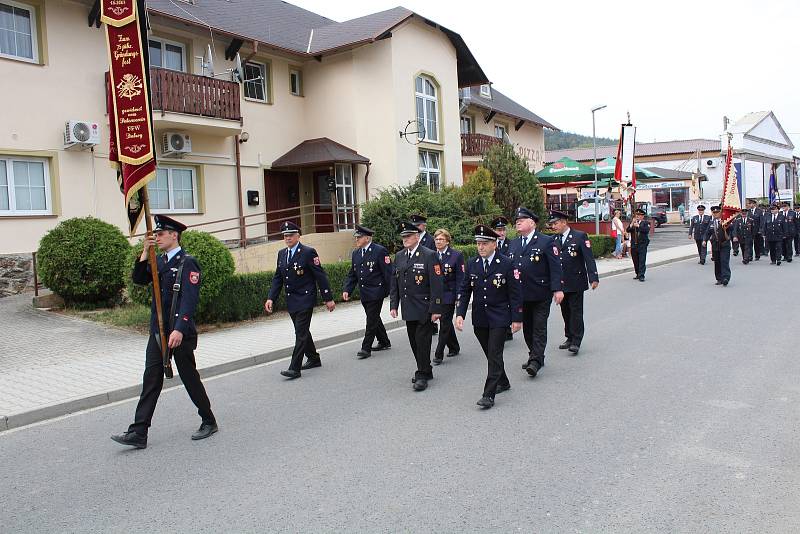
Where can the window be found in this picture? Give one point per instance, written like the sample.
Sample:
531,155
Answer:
24,187
466,125
427,108
296,82
167,55
672,197
18,31
255,81
429,170
464,92
500,131
173,190
486,90
345,196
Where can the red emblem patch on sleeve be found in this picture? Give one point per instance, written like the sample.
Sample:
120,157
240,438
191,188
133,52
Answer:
386,260
186,318
437,269
194,277
316,261
463,269
588,243
555,250
516,274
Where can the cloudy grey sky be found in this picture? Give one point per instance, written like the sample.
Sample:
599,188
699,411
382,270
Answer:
677,66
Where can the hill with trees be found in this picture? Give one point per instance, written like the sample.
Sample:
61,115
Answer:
561,140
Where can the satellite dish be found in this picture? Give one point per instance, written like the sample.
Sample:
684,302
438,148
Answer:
237,73
208,62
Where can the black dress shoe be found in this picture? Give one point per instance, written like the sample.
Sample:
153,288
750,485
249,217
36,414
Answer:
502,387
453,353
779,263
533,368
564,345
636,277
703,262
132,439
772,263
420,383
574,348
719,283
205,430
725,282
381,346
311,363
363,354
641,278
486,402
291,374
437,360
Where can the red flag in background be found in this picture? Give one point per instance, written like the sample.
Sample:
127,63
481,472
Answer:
131,145
730,203
624,169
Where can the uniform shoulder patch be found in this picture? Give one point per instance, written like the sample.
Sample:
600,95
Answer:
194,277
463,269
437,269
386,260
555,250
588,243
516,274
316,260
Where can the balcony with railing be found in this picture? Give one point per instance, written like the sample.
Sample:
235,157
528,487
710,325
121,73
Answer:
200,101
473,144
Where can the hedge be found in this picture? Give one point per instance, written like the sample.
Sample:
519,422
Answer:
83,260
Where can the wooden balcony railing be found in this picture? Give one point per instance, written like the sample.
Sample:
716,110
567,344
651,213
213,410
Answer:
477,144
196,95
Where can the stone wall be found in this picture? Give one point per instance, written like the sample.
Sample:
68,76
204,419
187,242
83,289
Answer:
16,273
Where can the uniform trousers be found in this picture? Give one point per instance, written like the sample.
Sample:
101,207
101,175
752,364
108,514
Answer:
722,262
787,248
153,380
534,328
758,245
303,342
420,334
374,328
702,249
639,257
735,245
746,245
797,244
447,333
572,312
774,250
492,341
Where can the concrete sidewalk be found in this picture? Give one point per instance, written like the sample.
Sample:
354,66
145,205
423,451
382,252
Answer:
52,364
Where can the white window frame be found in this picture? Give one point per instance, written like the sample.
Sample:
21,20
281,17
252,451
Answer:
503,128
12,202
426,170
425,99
171,193
345,212
299,73
169,42
467,119
34,32
486,90
265,74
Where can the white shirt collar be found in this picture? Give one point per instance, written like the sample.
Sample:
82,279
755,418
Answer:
294,248
565,233
171,253
413,250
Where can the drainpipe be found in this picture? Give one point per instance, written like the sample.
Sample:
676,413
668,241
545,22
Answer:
242,229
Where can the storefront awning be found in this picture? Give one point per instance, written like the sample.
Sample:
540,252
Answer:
317,152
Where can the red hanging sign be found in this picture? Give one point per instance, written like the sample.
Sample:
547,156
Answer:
133,128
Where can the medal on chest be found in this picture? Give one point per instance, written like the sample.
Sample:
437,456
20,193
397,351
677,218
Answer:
418,278
297,269
498,280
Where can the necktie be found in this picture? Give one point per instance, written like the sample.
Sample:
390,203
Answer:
363,251
485,265
289,256
524,241
561,240
440,256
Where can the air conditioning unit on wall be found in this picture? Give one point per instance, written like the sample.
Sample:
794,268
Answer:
81,134
176,144
711,163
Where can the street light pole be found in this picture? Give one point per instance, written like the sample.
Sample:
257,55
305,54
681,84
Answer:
596,194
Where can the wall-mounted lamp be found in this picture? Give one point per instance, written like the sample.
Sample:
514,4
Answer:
244,137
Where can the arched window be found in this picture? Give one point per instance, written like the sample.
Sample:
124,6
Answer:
427,107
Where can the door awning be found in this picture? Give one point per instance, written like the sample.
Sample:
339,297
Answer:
317,152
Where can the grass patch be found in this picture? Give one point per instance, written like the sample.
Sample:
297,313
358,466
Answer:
129,316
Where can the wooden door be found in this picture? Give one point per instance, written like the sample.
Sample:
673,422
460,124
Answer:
323,218
281,192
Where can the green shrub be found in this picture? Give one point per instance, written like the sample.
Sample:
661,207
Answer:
514,184
216,264
84,261
601,244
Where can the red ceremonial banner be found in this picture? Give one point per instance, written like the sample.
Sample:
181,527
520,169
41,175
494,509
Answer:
128,82
731,204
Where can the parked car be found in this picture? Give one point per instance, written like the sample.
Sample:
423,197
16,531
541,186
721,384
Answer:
659,214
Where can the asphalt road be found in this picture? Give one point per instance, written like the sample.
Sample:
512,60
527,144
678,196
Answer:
679,415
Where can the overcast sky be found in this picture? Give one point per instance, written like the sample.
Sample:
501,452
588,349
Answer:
677,66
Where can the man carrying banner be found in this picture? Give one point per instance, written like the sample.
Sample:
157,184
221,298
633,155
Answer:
720,240
639,230
179,275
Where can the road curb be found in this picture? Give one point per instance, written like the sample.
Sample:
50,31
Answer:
93,401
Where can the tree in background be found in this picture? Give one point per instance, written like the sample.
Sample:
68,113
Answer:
514,184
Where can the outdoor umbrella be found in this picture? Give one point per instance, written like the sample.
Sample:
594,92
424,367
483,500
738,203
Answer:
606,168
565,170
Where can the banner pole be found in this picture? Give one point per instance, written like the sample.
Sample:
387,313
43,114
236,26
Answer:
156,288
